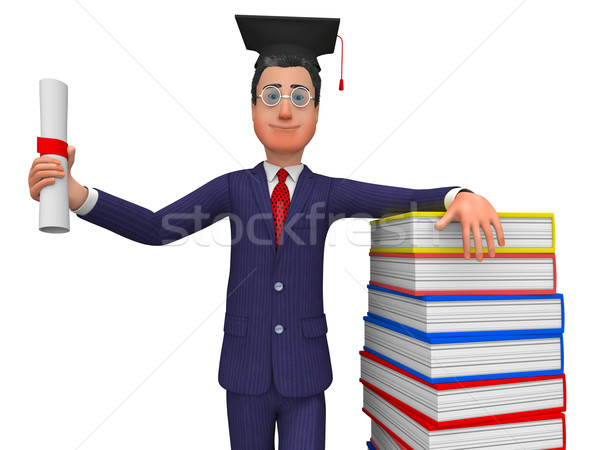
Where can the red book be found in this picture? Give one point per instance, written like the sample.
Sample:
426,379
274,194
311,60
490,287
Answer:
450,274
538,432
466,402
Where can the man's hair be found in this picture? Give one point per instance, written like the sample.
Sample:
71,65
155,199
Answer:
286,60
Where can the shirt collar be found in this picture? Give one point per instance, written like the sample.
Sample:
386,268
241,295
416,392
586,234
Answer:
293,171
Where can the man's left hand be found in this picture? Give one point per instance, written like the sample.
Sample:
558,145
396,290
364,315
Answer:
474,212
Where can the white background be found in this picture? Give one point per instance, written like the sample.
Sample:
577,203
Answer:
110,344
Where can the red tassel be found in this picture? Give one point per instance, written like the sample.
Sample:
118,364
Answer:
342,66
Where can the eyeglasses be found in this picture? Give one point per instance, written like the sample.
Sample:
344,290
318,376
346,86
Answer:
271,96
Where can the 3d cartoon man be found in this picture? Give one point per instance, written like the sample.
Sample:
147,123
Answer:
275,361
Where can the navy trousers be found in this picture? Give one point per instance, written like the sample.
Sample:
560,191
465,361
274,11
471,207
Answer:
252,418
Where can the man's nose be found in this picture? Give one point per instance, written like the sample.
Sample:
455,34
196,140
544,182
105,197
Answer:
285,112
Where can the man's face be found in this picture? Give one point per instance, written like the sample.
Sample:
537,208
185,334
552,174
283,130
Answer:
285,128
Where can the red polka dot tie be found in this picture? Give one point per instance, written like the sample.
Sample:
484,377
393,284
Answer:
280,202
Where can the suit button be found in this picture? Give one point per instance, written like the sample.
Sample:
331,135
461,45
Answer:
279,329
278,286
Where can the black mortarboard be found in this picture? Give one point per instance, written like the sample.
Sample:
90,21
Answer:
304,36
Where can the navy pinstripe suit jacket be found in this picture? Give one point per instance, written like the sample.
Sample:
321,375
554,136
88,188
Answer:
253,352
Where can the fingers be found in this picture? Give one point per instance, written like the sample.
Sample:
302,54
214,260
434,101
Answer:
35,190
499,231
44,171
46,167
70,157
475,214
443,222
466,237
477,240
44,159
489,239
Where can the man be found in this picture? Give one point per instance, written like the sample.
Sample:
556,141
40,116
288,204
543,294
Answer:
275,361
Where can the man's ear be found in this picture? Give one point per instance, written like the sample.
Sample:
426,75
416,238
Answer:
253,109
317,113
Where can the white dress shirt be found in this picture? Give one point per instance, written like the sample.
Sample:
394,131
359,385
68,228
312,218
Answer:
293,174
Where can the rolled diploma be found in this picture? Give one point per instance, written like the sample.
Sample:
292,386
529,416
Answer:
54,199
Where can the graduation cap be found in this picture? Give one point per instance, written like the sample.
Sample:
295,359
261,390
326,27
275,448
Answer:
309,37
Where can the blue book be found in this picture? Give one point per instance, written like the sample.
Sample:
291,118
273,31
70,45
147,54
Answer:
468,315
451,359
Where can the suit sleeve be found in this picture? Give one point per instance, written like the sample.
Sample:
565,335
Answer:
349,198
181,218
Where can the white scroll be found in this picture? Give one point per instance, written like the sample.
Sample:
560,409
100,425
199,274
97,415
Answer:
54,199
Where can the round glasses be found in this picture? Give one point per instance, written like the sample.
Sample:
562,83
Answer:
271,96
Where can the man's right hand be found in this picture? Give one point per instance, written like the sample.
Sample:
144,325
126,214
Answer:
43,172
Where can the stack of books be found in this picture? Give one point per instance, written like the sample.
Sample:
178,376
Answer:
461,354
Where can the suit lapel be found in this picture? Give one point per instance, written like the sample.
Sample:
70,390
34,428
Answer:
263,200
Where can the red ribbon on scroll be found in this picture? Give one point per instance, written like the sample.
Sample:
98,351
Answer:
50,146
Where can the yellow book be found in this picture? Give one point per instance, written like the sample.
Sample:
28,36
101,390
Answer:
414,233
